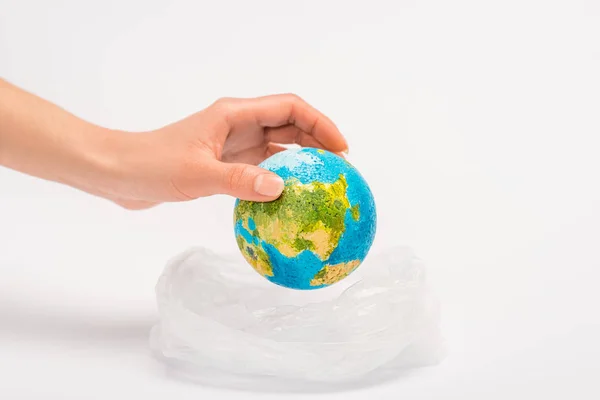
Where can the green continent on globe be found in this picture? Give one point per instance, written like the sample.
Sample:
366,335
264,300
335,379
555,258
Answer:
318,231
305,217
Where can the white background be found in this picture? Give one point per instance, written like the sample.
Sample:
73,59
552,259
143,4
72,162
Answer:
476,123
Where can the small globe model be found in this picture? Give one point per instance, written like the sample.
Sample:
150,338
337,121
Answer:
318,231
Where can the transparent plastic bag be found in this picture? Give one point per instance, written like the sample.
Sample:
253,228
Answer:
223,324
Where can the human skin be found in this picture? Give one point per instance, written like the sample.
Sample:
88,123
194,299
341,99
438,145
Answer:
214,151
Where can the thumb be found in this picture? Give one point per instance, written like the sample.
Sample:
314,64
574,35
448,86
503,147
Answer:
247,182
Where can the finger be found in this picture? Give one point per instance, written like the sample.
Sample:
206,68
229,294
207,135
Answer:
283,109
245,181
273,148
254,156
291,134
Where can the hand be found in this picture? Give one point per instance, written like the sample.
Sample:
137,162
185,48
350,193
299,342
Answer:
214,151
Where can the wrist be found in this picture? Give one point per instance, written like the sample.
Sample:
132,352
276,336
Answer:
97,163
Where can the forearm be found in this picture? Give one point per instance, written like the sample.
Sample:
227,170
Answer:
43,140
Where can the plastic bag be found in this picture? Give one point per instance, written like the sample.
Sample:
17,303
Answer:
223,324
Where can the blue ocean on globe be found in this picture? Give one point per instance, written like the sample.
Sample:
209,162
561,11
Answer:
318,231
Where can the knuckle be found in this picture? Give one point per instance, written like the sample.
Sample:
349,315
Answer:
293,97
223,104
224,100
226,109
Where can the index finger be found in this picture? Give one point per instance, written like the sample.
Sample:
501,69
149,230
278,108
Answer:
288,109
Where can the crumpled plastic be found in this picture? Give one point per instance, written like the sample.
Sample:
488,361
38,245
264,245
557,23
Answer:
223,324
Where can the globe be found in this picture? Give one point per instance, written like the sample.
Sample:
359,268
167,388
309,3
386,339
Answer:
318,231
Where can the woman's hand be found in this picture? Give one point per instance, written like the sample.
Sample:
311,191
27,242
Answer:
214,151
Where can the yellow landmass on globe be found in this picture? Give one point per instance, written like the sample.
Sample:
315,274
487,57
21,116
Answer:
305,217
320,239
256,257
355,211
333,273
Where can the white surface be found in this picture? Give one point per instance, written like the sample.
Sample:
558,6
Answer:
476,124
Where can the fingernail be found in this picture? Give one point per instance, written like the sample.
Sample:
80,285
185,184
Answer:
268,185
